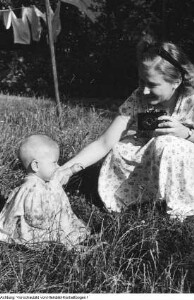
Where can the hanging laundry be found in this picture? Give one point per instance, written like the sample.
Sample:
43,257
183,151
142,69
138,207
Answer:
21,29
34,20
7,15
83,6
56,22
39,13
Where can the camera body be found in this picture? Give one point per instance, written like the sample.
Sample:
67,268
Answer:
149,120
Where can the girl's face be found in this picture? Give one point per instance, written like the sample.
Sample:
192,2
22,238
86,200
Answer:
155,90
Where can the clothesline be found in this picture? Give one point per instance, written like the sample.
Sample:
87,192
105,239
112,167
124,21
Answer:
82,5
31,15
8,9
28,27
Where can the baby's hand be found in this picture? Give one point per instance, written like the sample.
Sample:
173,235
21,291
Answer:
76,168
63,175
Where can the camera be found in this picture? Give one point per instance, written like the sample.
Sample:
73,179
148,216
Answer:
149,120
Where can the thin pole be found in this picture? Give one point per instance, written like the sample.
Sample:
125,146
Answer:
52,51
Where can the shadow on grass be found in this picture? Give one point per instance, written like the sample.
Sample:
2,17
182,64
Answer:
86,183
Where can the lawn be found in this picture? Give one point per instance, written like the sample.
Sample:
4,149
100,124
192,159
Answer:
139,251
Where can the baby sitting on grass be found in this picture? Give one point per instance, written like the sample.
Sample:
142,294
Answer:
39,211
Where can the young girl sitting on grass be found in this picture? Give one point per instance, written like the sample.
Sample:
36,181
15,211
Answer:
39,211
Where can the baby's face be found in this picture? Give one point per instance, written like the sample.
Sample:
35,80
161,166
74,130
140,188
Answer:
48,164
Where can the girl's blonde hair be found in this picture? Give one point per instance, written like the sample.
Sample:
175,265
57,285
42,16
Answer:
173,64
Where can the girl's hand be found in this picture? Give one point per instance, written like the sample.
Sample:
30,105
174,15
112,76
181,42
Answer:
62,175
170,125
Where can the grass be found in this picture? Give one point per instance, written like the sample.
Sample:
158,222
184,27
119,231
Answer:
139,251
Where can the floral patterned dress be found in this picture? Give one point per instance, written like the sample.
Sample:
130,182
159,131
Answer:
39,212
150,168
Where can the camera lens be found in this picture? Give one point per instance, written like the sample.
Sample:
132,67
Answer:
149,122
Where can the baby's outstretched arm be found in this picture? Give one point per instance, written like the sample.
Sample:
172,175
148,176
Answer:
63,175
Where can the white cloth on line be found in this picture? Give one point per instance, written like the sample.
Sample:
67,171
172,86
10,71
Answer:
39,13
34,20
7,15
21,28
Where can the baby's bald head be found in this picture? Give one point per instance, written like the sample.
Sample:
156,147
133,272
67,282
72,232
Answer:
36,147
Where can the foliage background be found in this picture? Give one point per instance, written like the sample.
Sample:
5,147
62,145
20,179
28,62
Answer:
93,59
